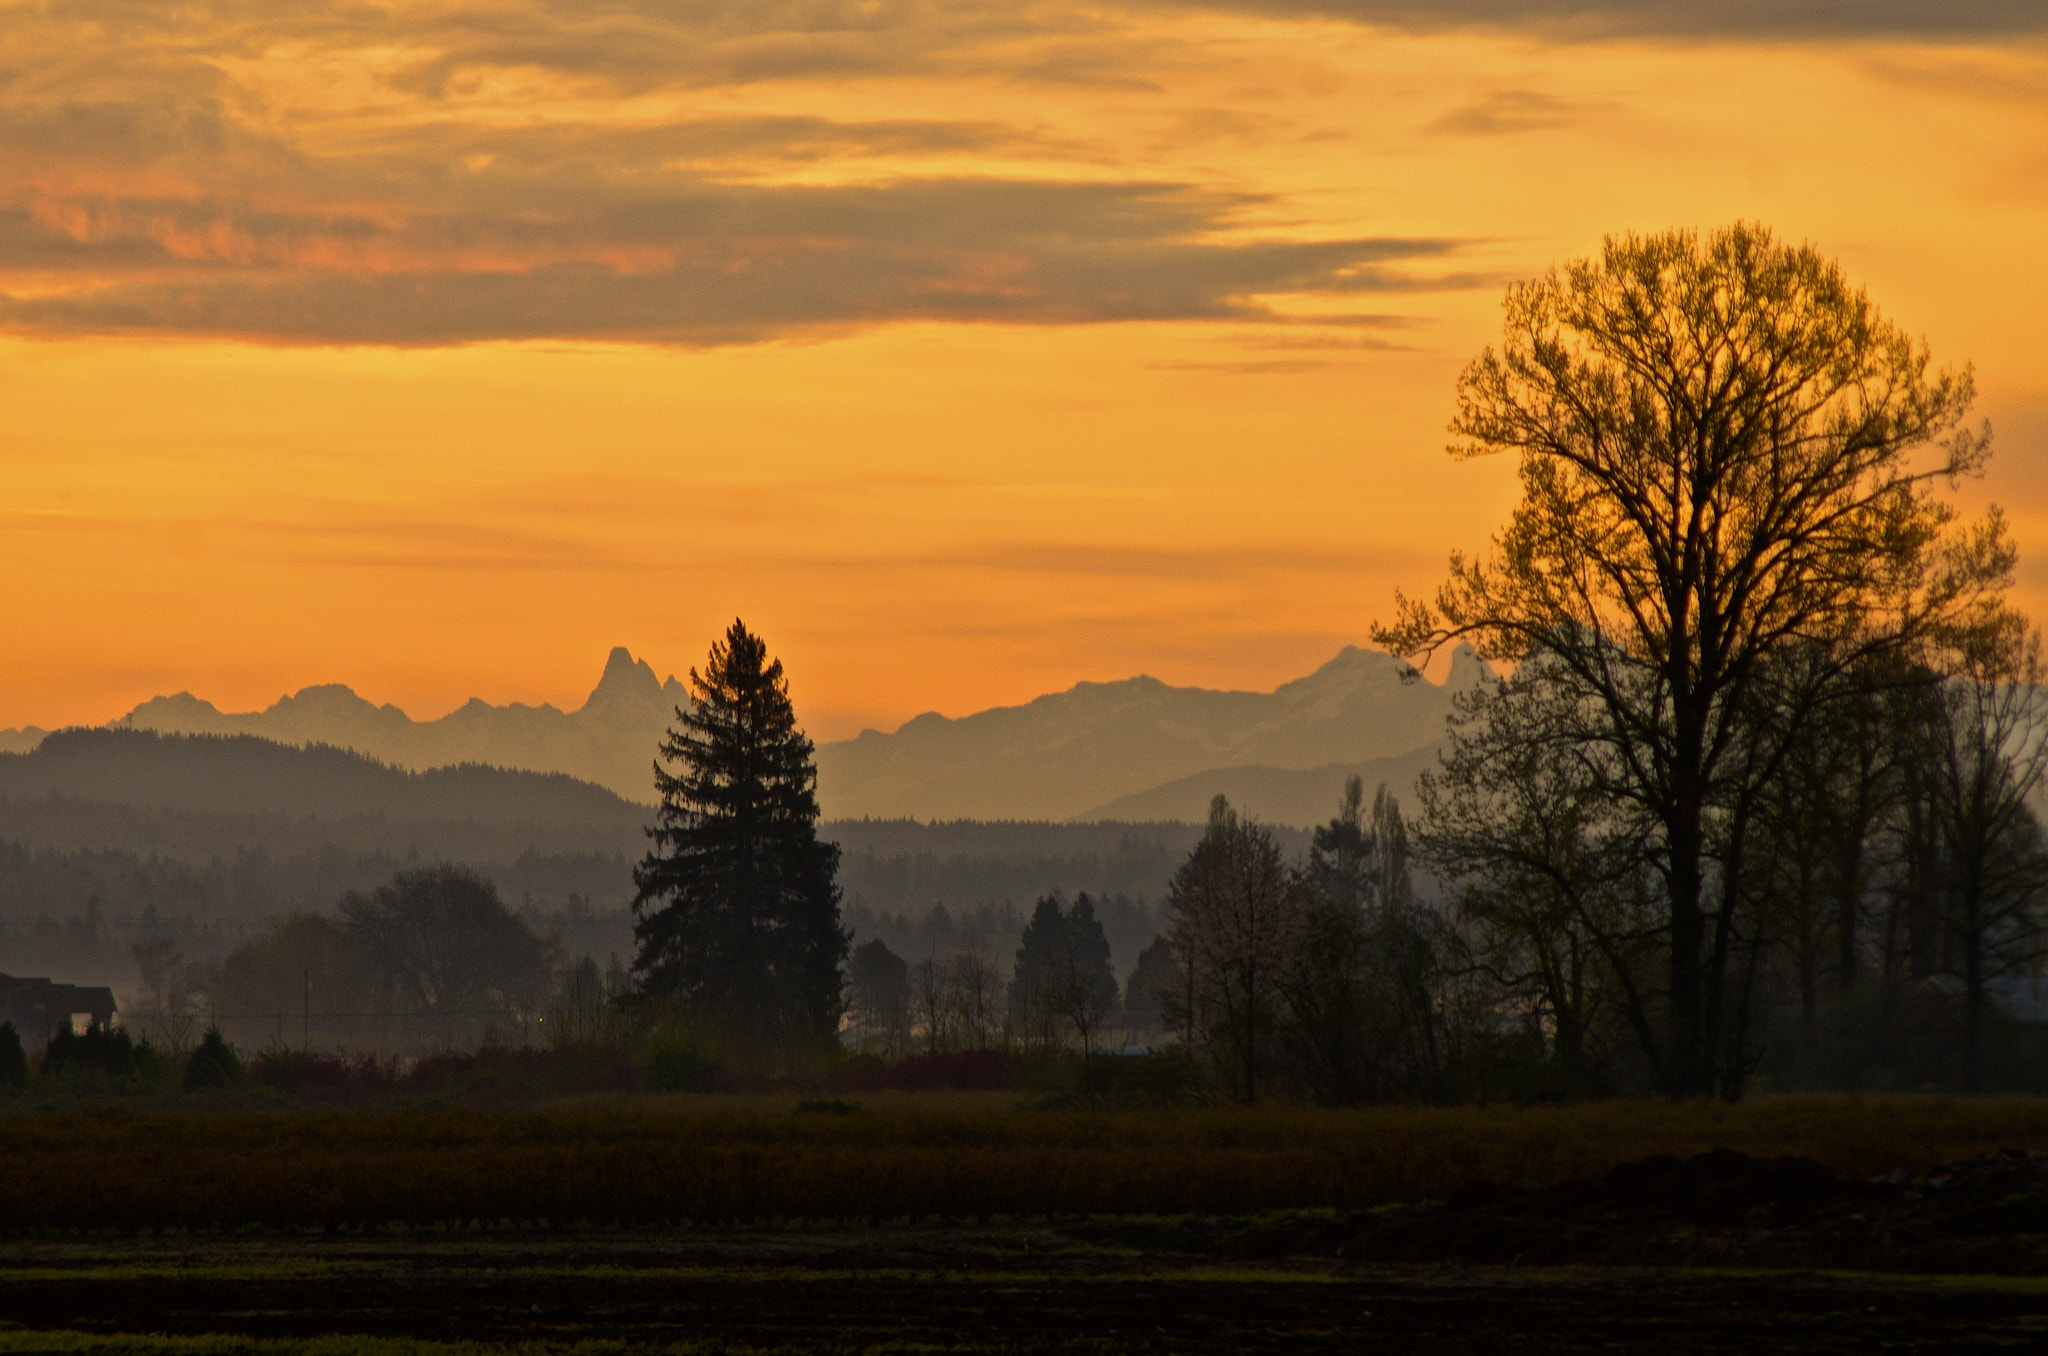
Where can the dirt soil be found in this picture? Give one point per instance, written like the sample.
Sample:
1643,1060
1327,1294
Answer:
1984,1216
957,1291
1719,1253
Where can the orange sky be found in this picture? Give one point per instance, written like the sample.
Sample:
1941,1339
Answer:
966,350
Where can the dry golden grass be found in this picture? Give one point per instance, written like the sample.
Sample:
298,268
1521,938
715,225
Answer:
713,1160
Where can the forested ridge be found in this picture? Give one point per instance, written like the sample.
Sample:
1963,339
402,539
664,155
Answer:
241,774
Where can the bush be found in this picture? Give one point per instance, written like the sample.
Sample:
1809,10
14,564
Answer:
13,1062
1162,1078
348,1078
98,1058
213,1064
954,1070
494,1076
673,1063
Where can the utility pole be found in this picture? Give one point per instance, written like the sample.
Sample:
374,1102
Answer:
306,1011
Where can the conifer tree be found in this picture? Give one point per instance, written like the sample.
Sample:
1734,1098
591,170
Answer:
738,906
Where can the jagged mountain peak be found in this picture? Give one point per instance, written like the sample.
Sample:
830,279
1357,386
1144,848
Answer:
623,674
1468,670
610,740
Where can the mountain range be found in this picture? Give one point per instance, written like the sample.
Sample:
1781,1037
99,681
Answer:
1098,750
609,740
1137,749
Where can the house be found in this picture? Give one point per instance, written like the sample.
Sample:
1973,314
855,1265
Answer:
39,1008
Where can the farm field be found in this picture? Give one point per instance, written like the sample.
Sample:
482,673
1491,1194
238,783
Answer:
1015,1289
703,1161
942,1222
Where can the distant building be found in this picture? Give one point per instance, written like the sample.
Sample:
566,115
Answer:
39,1008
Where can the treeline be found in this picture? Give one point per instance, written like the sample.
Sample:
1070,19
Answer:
430,959
85,915
1057,990
61,823
84,882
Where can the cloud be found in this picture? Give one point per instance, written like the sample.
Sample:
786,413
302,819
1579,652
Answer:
1258,367
694,262
1764,20
1509,111
451,173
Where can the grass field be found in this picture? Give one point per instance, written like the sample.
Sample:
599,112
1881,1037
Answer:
719,1161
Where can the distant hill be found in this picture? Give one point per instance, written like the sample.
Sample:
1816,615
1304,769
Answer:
245,775
1097,749
1301,797
610,739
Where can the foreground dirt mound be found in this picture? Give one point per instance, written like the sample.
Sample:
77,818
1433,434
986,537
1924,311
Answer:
1984,1215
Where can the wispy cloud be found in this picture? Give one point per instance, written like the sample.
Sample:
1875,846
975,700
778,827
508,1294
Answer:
1765,20
1506,112
696,262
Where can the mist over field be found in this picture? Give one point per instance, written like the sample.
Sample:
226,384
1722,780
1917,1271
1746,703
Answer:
179,822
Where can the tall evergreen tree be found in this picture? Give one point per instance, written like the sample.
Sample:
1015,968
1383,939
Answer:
738,906
1062,975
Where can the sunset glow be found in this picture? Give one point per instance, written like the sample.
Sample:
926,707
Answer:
965,350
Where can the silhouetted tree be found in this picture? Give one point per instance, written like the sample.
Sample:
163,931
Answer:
1720,461
441,942
1340,852
13,1060
738,906
1062,976
879,981
1985,754
213,1064
1359,860
1547,873
1236,912
1151,984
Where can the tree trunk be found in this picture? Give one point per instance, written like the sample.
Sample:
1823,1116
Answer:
1690,1072
1973,995
1848,902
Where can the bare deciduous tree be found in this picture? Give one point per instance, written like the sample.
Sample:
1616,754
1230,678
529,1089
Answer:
1720,449
1236,910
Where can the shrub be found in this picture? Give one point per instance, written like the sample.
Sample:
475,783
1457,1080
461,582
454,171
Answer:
213,1064
673,1063
954,1069
347,1078
825,1106
13,1062
99,1057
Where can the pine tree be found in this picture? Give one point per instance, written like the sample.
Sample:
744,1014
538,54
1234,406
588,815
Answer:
738,907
